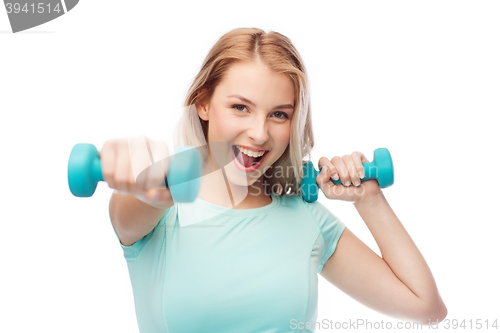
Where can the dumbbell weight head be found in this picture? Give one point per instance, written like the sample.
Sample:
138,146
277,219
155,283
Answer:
184,174
384,169
84,170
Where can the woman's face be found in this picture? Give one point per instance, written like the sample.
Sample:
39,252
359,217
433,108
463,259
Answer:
251,107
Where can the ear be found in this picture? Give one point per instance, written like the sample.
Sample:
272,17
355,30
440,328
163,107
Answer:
202,109
202,106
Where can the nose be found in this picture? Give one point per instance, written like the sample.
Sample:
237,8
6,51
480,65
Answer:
258,131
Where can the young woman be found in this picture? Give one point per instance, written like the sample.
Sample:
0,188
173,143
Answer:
244,256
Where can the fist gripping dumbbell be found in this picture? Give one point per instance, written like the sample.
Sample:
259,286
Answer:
183,177
380,168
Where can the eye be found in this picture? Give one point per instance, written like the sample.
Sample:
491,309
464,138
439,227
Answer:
284,115
238,105
277,114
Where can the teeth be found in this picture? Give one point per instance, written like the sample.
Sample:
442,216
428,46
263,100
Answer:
250,152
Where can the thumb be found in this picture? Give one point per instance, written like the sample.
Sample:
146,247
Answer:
159,195
153,195
324,175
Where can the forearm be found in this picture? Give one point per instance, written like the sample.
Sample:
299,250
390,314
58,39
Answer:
131,217
398,249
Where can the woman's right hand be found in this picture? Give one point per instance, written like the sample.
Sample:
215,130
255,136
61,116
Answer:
127,167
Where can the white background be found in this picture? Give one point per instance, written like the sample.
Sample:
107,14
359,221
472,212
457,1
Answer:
420,78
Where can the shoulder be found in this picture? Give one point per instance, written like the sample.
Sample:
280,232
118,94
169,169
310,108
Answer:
315,210
325,219
297,201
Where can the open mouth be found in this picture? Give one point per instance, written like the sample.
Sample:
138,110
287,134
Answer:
245,162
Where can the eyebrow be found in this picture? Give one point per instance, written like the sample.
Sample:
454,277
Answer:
246,100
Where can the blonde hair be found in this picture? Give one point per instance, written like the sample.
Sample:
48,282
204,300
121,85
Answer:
278,53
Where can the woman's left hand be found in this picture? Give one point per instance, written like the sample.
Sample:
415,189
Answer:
348,168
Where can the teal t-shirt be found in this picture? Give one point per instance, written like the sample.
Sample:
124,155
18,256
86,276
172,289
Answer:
206,268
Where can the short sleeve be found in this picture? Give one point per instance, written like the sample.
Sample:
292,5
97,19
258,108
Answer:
131,252
331,228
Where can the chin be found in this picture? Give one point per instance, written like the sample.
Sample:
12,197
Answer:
240,179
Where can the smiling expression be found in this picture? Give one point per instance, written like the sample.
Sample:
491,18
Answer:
251,107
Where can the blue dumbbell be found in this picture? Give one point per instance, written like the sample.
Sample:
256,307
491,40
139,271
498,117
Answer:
380,168
183,177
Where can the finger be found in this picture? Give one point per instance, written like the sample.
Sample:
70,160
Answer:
141,188
164,196
363,157
108,161
356,157
139,192
339,164
332,170
140,158
351,168
157,191
160,152
123,170
156,175
147,189
326,170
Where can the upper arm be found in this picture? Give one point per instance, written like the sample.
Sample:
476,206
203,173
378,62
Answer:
360,273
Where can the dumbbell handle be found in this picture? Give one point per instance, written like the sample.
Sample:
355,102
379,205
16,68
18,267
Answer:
370,173
96,171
